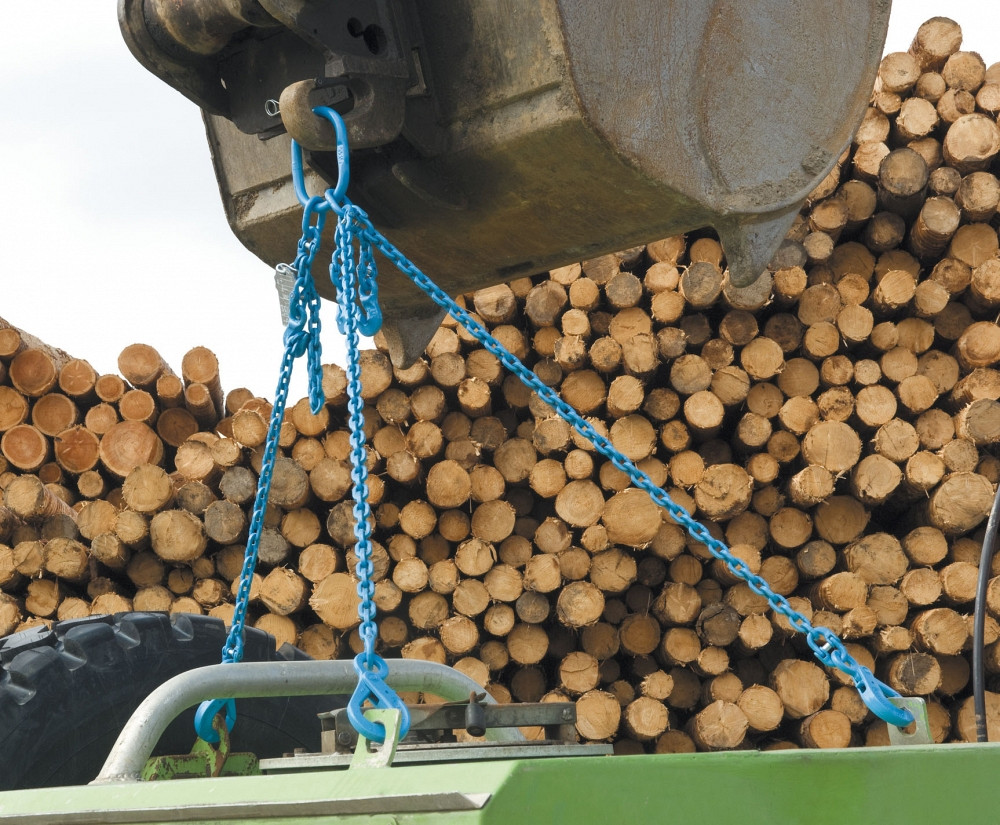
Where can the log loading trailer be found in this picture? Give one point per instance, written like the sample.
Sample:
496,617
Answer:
490,140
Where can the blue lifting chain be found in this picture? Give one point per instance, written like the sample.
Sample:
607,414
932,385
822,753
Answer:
359,314
354,276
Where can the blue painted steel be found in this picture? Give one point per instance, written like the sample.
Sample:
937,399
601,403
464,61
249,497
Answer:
206,713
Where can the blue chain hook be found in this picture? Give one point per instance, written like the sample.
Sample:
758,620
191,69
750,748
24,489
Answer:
373,688
206,713
875,695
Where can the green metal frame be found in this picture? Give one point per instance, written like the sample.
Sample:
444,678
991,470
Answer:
205,759
914,784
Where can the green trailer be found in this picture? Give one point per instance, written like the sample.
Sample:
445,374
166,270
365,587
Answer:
741,162
921,784
503,779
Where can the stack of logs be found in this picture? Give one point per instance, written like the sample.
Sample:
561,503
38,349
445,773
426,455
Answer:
835,423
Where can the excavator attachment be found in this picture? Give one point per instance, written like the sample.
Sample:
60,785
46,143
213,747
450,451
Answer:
495,140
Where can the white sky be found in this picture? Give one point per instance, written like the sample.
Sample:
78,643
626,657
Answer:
111,228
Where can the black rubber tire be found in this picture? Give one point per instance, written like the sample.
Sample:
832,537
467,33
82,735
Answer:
66,693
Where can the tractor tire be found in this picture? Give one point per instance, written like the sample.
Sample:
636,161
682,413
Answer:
67,692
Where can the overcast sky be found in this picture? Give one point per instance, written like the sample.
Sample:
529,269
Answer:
111,227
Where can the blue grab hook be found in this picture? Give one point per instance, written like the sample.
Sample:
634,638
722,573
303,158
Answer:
372,687
206,713
875,695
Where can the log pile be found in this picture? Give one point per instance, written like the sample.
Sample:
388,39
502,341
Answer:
836,424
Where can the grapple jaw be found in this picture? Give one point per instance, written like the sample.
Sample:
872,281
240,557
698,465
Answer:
492,142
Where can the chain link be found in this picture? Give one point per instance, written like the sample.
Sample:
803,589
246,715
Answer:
301,337
358,312
350,318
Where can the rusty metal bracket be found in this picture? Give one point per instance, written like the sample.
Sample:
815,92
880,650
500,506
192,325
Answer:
204,760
